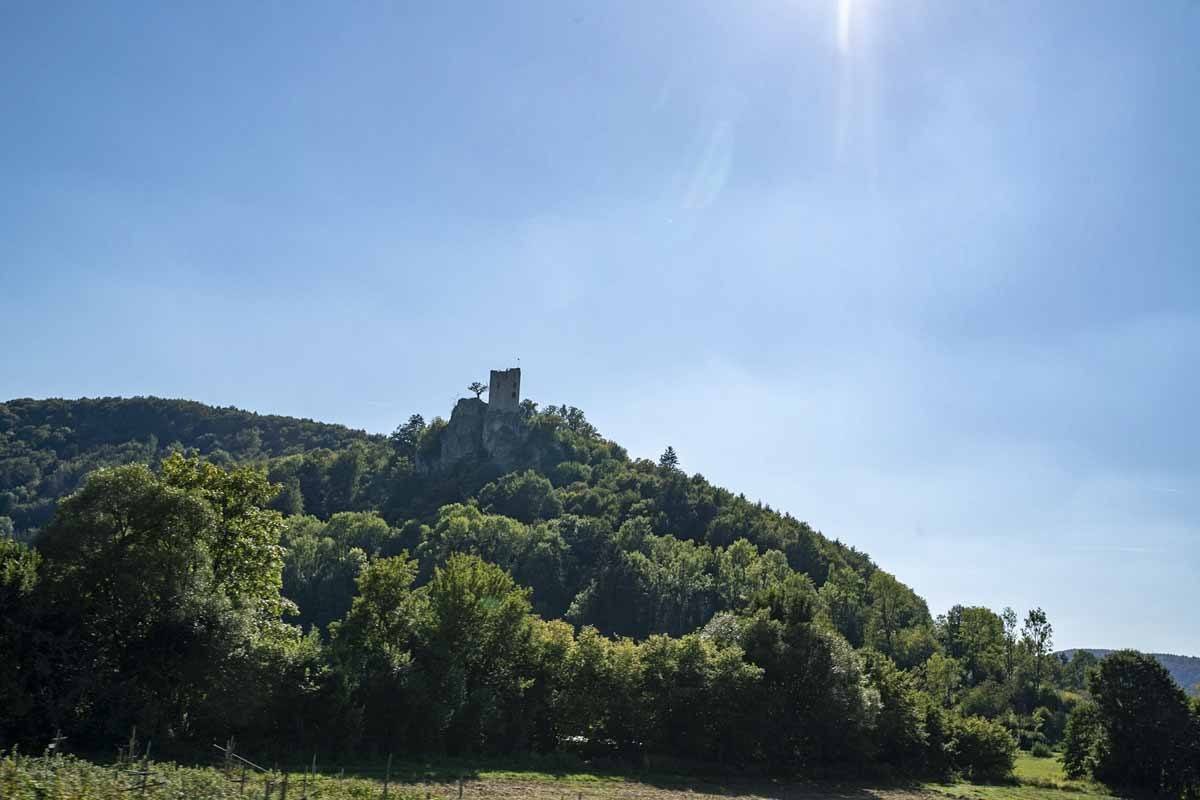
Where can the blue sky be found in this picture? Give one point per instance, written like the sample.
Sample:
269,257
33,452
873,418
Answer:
923,274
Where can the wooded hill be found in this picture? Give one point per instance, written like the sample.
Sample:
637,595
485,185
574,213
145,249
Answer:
498,582
571,488
1184,669
48,446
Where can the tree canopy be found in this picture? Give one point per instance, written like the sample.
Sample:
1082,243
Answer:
303,585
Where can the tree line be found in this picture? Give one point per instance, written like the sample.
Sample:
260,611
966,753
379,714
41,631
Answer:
155,599
586,601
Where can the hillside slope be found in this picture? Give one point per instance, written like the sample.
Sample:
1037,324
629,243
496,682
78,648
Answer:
631,546
48,446
1184,669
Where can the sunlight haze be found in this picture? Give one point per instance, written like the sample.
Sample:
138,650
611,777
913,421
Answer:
923,275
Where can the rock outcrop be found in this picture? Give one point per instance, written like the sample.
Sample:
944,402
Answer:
477,431
463,436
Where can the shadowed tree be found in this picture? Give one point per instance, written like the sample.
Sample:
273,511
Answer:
162,585
1142,727
478,388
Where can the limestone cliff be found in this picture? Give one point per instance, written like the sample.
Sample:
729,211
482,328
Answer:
477,431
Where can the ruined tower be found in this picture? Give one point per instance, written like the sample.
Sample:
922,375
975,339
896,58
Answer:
504,390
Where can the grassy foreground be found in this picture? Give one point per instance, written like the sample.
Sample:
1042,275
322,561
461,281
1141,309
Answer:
1035,779
69,778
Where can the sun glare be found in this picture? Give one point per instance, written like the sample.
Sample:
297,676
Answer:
844,12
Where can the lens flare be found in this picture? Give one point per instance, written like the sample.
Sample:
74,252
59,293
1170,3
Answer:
845,11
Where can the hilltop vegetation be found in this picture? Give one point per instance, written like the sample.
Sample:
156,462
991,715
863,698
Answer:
47,447
1184,669
490,584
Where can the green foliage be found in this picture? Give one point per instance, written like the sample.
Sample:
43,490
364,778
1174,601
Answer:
47,447
1077,670
974,636
898,624
18,573
153,594
70,778
18,578
1081,740
709,627
525,496
476,641
941,677
989,699
324,558
1037,635
982,749
844,596
1141,733
27,778
898,730
372,651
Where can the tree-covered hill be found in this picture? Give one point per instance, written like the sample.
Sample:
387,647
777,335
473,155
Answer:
499,581
633,546
48,446
1184,669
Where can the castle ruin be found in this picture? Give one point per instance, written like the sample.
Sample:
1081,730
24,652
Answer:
504,390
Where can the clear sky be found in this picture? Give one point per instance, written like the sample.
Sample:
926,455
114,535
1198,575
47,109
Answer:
924,274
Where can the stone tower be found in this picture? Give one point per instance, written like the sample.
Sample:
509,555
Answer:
504,390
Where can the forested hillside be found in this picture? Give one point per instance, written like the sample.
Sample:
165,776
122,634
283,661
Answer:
686,549
495,582
1184,669
48,446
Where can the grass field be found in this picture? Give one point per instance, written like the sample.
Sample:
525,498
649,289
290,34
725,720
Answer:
1036,779
66,778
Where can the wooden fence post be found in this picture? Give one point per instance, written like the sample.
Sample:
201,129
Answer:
145,769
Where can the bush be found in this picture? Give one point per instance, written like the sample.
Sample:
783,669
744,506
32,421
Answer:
1041,750
1080,741
982,750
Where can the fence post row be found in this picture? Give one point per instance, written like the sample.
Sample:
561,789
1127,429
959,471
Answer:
145,769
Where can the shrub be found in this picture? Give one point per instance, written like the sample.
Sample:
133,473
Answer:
1041,750
982,750
1080,741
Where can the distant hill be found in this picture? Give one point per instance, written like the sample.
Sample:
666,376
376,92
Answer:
48,446
1184,669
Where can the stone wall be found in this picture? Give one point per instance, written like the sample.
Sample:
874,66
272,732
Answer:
504,390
